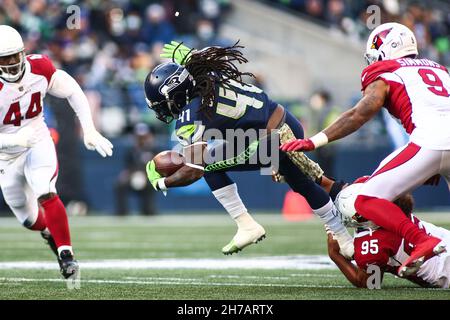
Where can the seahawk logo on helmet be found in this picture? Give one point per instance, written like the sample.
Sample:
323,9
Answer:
345,205
167,89
390,41
173,81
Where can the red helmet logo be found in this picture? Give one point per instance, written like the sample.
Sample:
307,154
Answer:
379,38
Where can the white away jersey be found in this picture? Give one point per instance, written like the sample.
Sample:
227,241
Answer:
419,96
21,103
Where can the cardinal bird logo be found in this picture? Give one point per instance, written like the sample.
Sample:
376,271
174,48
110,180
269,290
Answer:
379,38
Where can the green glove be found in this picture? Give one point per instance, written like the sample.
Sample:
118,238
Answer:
155,178
182,53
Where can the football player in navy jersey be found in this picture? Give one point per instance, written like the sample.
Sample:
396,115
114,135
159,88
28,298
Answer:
206,95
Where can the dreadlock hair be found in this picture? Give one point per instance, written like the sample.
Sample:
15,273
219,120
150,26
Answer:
212,66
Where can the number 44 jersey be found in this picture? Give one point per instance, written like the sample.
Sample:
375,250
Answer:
419,96
236,107
21,102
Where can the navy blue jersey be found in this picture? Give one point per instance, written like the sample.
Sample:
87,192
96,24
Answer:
237,107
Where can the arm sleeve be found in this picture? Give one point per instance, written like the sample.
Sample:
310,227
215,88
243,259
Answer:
62,85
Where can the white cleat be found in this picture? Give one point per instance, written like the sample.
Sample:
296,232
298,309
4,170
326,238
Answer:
345,241
244,237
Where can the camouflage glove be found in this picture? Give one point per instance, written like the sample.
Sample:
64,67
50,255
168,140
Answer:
306,165
155,178
277,177
177,51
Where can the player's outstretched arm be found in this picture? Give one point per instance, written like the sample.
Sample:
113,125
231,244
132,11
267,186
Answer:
62,85
353,274
350,121
374,96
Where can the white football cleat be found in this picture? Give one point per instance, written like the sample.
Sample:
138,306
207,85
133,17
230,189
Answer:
245,237
345,241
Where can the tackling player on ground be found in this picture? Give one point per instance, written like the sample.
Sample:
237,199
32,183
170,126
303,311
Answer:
376,246
28,163
417,92
208,93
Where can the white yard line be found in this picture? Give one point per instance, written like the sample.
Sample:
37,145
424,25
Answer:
195,283
299,262
18,281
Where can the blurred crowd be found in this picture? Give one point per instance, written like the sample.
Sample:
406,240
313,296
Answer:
113,45
430,20
109,47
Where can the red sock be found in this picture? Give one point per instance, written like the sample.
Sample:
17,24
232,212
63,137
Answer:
40,223
57,222
390,217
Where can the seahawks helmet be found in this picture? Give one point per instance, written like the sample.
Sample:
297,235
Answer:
167,90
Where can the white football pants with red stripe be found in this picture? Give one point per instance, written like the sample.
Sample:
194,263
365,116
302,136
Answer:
406,169
25,178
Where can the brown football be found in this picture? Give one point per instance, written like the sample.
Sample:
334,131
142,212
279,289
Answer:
167,162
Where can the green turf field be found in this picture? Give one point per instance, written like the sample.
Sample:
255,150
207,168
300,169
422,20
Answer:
178,257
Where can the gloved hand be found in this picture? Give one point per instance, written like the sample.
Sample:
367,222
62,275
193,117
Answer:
93,140
277,177
26,137
298,145
182,53
155,177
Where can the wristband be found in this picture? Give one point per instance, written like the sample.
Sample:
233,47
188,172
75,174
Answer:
161,185
319,139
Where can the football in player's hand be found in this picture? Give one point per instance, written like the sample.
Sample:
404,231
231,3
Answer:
168,162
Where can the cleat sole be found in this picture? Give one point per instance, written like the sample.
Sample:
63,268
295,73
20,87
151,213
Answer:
235,249
411,267
260,238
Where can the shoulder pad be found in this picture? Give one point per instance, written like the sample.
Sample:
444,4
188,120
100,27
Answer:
372,72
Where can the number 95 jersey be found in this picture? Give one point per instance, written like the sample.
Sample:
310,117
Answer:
21,102
236,107
419,96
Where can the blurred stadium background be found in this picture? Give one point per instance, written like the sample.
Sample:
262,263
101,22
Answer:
306,53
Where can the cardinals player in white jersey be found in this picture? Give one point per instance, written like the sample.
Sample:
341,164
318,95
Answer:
28,163
417,92
375,246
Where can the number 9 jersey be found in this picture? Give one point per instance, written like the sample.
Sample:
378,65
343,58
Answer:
419,96
236,107
21,102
